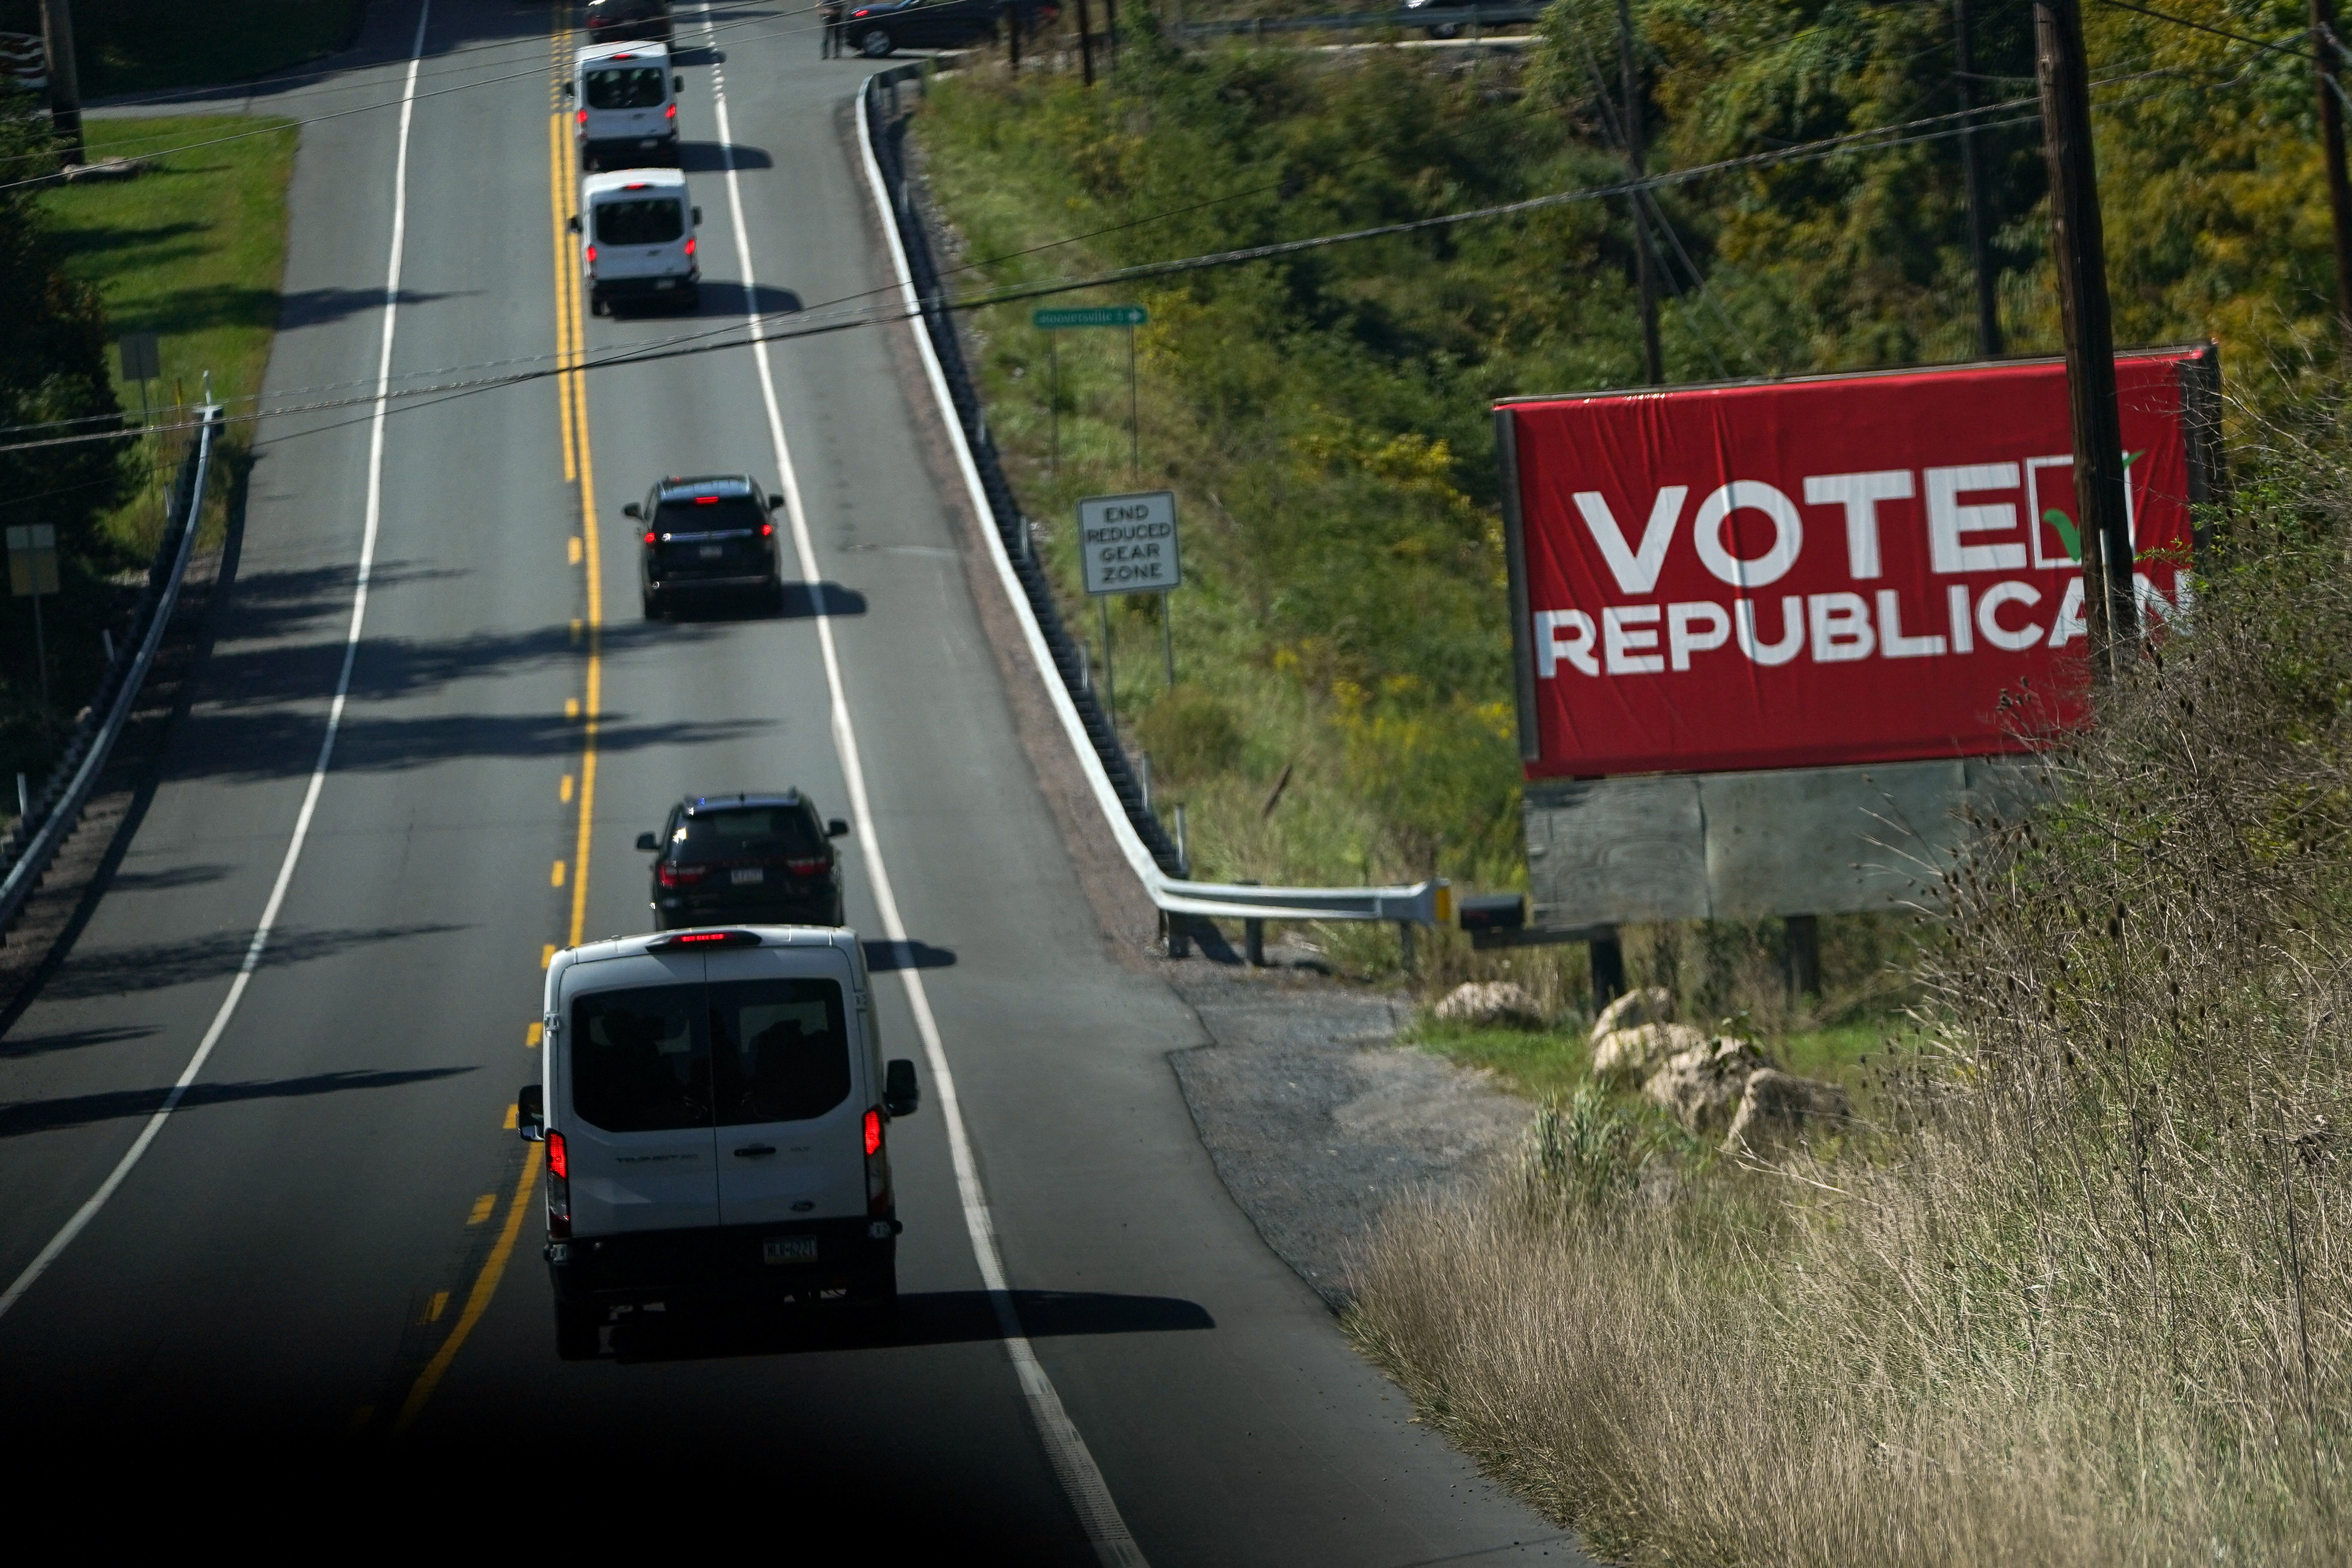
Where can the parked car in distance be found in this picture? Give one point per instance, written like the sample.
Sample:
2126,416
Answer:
624,107
710,535
745,859
876,30
715,1108
610,21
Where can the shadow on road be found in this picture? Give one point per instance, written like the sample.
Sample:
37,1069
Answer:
925,1318
156,965
79,1110
72,1039
710,157
882,957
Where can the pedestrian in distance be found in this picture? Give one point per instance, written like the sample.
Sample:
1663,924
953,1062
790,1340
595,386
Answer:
829,12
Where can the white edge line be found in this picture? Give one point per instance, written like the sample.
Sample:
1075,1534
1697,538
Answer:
115,1178
1073,1463
1166,891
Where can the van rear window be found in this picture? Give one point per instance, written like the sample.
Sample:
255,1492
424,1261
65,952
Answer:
780,1048
640,1059
626,87
640,220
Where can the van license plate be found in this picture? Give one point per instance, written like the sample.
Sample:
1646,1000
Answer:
744,874
664,282
789,1249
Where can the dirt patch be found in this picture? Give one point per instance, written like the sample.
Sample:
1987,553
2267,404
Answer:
1317,1119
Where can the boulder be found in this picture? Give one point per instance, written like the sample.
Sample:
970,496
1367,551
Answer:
1651,1004
1777,1110
1631,1054
1702,1086
1491,1004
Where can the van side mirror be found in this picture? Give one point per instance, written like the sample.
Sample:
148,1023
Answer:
836,828
572,223
697,217
900,1095
648,843
569,91
678,82
530,1109
634,510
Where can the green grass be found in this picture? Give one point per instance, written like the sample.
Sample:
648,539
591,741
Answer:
192,252
151,45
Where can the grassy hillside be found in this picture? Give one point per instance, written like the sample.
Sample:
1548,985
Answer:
151,45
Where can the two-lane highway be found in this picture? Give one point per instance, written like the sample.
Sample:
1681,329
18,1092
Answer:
328,1252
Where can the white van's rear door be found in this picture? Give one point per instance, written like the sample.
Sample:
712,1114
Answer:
790,1072
634,1088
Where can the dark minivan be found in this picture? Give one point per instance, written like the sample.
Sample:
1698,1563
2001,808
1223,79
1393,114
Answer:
745,859
707,535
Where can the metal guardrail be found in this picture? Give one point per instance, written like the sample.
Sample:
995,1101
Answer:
1146,843
1422,19
54,812
24,61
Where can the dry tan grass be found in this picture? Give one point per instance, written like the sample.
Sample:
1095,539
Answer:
2088,1298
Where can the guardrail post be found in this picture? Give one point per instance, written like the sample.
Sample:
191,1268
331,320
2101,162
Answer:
1404,945
1253,931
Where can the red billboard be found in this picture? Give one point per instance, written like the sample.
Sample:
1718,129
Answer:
1829,570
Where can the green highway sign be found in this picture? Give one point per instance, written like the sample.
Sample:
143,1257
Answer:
1092,316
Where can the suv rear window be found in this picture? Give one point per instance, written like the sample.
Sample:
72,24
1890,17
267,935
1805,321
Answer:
724,513
646,220
782,1054
785,830
641,1060
627,86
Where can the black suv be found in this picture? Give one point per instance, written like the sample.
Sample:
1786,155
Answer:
745,859
610,21
875,30
703,535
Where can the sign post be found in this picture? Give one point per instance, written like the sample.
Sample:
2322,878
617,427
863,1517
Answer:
1127,544
1050,321
32,570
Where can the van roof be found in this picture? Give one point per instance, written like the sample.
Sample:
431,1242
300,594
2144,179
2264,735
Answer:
803,937
652,53
668,181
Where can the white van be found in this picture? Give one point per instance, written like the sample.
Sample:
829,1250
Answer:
715,1108
636,229
624,106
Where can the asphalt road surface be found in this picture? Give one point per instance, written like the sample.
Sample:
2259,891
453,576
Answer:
326,1256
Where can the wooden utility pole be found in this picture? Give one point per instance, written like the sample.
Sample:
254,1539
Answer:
1645,267
2328,59
65,81
2081,251
1085,44
1972,168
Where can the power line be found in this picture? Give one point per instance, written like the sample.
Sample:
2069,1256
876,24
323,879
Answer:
2204,27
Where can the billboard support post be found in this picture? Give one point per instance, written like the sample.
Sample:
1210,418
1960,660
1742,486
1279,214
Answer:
1801,947
2110,616
1972,173
2328,61
1608,969
1644,269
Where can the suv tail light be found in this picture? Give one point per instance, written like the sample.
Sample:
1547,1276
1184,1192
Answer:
559,1188
766,529
877,1168
650,538
813,866
675,876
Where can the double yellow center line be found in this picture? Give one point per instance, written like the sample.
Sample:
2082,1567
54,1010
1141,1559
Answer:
579,467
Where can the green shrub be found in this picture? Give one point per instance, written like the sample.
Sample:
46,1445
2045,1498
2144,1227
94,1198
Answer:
1190,734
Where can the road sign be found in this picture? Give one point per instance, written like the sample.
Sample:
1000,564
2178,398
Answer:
33,560
1091,316
1128,542
141,356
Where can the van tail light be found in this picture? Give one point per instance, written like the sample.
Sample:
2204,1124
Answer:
877,1168
559,1188
674,875
690,251
671,113
584,117
591,259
